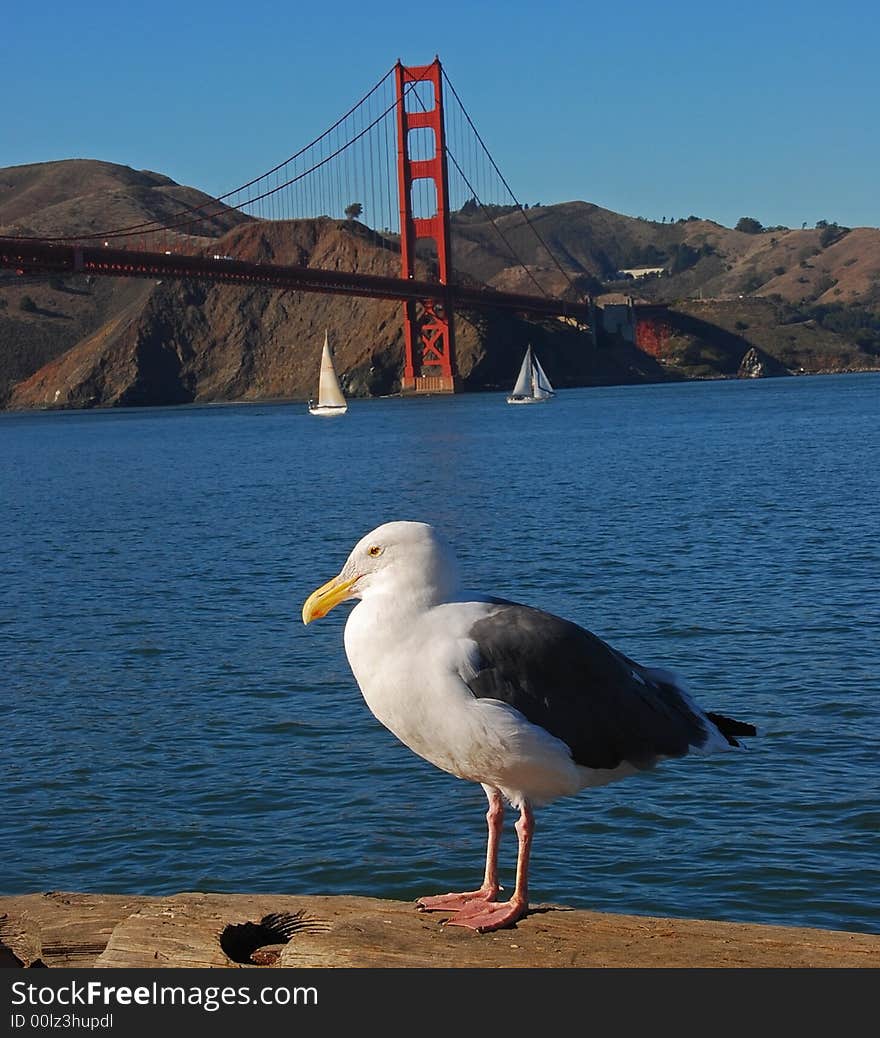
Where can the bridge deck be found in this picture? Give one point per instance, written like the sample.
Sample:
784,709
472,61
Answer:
31,256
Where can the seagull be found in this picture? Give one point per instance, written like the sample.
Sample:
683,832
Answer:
529,705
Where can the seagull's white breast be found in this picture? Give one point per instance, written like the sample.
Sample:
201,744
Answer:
409,666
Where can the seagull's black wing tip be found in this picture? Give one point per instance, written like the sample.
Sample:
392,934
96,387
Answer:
730,728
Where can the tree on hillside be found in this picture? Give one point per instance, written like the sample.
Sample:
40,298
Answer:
682,257
353,211
646,256
749,225
831,232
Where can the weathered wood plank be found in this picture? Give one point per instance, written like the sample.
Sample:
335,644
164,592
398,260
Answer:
61,929
388,934
185,930
284,930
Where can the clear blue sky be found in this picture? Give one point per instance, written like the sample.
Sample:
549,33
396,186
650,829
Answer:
653,109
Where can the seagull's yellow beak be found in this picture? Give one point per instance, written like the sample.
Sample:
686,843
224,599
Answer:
320,602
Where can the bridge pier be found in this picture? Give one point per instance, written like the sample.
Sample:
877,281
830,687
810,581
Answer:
427,385
432,332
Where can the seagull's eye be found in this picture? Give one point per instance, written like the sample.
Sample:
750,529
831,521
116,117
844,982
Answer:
375,550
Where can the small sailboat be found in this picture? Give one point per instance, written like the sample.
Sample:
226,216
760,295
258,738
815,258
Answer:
532,385
330,398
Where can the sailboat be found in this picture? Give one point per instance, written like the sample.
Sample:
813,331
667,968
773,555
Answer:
532,385
330,398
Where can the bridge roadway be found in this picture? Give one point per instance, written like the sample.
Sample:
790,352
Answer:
32,256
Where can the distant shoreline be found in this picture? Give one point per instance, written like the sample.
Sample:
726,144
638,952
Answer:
303,401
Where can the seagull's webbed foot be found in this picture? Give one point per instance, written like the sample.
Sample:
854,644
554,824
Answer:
485,916
456,902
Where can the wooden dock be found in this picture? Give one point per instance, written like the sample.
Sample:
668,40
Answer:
228,931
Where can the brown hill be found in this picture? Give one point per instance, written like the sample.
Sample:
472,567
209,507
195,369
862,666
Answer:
82,196
41,318
700,256
713,338
808,300
177,342
89,342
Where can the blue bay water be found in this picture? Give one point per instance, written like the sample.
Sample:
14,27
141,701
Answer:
170,725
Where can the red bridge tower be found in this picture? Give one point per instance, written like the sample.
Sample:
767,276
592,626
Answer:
427,327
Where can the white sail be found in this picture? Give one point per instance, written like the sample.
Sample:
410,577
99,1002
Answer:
543,387
329,393
532,385
330,398
523,385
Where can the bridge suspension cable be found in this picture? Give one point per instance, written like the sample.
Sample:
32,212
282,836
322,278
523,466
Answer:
478,139
349,170
186,215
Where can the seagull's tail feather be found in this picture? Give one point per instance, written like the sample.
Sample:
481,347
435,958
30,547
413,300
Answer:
730,728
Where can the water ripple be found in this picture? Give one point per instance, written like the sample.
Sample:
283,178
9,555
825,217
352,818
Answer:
170,725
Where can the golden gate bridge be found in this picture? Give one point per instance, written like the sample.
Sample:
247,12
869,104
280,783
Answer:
410,131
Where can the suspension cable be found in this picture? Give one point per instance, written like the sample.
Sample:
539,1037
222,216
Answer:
498,230
504,182
137,229
123,232
473,191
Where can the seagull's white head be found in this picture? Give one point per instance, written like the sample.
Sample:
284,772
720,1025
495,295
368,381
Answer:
409,561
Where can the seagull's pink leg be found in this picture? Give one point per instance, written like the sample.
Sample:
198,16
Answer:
490,887
487,915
